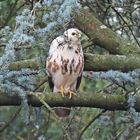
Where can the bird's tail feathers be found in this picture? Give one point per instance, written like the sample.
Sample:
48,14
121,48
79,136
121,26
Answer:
62,112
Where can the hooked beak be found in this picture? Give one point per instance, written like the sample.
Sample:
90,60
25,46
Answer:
78,34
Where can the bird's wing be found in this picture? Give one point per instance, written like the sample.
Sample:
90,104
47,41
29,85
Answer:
51,84
78,81
56,43
53,48
79,78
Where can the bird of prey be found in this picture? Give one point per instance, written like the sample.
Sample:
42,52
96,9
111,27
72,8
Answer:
65,66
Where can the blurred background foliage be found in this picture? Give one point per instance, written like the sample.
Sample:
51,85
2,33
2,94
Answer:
27,28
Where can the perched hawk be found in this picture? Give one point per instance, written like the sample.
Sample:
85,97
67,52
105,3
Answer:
65,65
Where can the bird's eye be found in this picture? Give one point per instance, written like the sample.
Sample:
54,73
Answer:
73,33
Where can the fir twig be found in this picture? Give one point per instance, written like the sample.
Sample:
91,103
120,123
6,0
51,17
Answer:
11,120
89,123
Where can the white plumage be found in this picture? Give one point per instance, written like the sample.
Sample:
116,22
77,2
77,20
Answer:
65,62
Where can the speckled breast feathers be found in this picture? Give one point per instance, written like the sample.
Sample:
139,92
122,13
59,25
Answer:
65,61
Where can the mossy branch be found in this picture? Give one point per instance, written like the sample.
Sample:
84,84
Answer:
96,100
30,63
103,36
93,62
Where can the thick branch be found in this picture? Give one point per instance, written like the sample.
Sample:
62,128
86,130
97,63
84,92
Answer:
102,35
30,63
93,62
97,100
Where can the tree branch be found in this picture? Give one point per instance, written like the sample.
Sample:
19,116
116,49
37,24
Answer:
102,35
97,100
93,62
30,63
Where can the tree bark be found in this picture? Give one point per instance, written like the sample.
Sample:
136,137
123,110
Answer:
93,62
97,100
103,36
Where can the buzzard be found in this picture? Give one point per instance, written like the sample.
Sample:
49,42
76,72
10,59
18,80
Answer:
65,65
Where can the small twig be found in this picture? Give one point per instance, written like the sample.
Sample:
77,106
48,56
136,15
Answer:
126,24
11,120
123,26
89,123
42,82
19,138
66,127
12,13
104,10
44,103
119,134
104,88
29,135
123,130
88,44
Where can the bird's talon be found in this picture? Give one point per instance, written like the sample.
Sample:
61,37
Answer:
71,93
62,91
62,94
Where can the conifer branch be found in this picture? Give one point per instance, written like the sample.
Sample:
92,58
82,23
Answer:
94,100
93,62
103,36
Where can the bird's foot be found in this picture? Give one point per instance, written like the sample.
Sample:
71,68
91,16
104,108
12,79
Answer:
71,93
62,91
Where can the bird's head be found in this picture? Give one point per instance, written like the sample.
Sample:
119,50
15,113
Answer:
72,35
